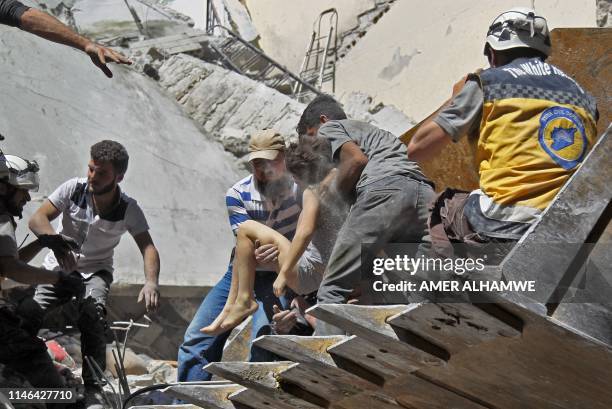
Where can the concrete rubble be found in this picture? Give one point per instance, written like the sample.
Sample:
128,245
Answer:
604,13
234,15
230,106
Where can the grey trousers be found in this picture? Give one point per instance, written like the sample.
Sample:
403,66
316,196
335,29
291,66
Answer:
91,319
391,210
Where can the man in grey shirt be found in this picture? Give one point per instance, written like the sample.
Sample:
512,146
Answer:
389,191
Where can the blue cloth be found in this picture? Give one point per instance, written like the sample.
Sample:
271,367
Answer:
198,349
245,202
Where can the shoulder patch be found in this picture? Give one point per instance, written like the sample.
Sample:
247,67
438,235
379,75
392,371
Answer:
562,136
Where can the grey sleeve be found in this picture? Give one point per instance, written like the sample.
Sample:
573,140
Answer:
11,11
8,243
335,133
464,113
135,220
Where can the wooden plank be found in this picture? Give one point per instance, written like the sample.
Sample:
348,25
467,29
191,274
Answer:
417,393
454,326
214,396
198,36
549,366
256,375
238,345
547,251
368,322
362,353
186,48
298,348
256,400
329,384
585,54
406,388
260,377
368,400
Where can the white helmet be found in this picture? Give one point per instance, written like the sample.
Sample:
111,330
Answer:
519,27
19,172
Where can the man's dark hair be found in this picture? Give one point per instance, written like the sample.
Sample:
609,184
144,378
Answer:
310,160
322,105
113,152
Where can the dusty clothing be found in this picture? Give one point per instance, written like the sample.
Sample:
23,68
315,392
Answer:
391,205
391,210
534,127
448,224
387,155
11,11
91,319
96,235
19,350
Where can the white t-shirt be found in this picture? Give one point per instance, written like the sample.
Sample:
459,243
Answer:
97,237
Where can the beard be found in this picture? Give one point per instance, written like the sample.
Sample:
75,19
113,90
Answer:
14,209
103,190
10,205
275,188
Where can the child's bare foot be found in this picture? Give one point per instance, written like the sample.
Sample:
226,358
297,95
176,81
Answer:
239,311
215,327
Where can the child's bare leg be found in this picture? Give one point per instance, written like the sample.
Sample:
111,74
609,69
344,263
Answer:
215,327
244,266
248,233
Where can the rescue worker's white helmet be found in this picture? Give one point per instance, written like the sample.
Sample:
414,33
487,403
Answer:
519,27
19,172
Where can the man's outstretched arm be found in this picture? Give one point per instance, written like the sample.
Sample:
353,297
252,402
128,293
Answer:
150,256
48,27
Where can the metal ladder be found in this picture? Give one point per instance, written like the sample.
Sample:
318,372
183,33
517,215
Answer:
243,57
319,64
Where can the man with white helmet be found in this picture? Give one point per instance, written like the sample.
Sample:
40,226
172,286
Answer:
20,351
531,126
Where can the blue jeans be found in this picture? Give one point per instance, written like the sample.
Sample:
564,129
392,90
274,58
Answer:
198,349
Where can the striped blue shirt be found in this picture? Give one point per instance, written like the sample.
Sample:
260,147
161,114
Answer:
245,202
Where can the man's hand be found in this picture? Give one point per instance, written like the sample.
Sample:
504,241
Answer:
71,282
279,286
62,247
266,255
101,55
150,295
283,321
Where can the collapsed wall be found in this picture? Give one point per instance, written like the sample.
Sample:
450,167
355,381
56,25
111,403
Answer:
230,106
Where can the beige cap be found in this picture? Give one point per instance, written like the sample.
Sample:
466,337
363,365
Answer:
266,144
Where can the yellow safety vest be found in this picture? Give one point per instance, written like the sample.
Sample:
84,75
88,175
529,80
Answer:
537,126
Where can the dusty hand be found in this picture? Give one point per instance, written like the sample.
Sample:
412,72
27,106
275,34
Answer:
150,295
283,321
266,255
62,247
101,55
279,286
66,260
